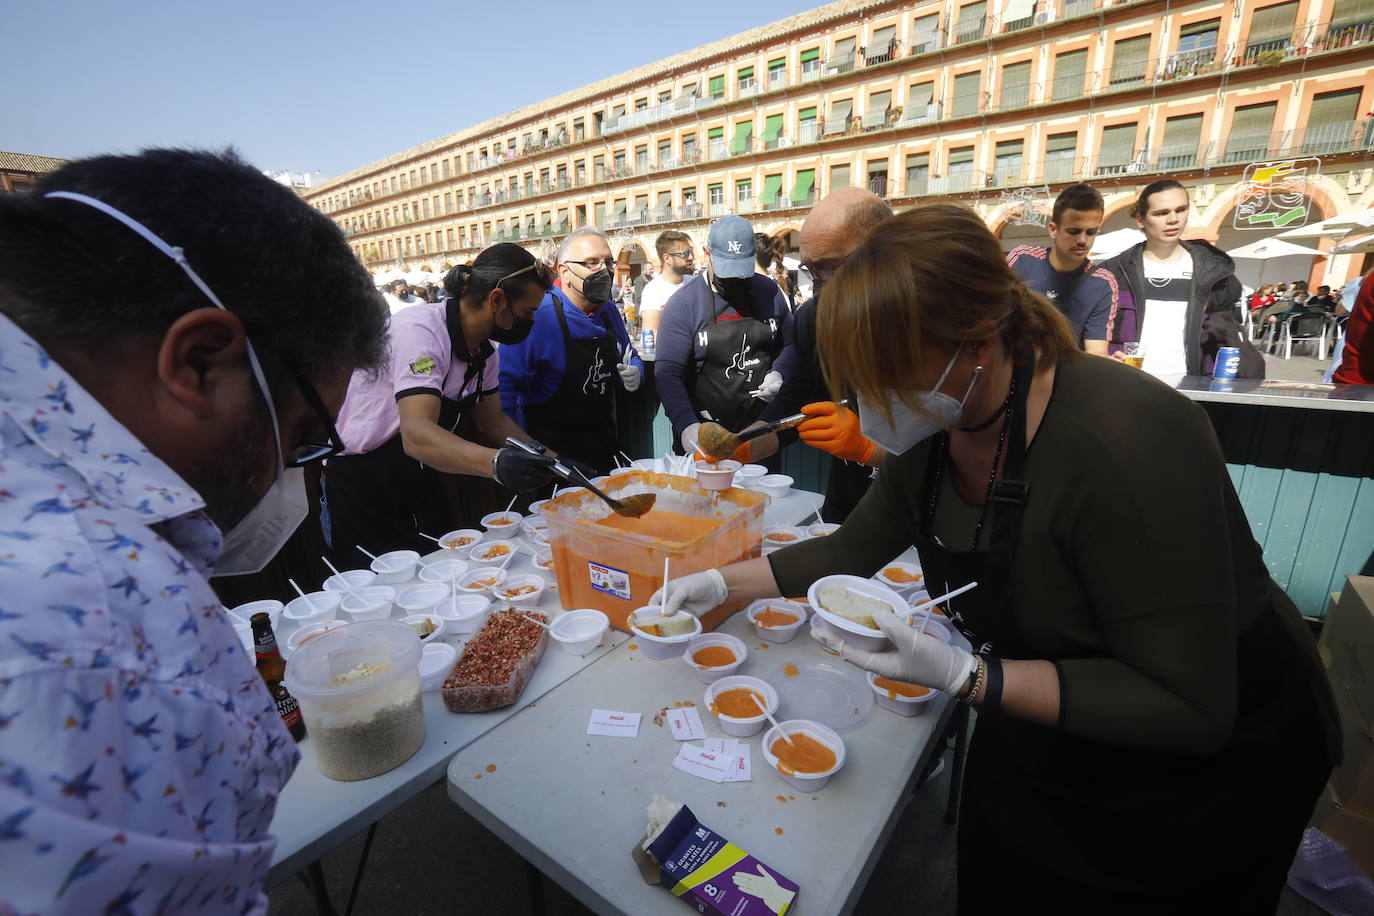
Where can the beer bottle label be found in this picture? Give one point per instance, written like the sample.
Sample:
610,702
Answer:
287,707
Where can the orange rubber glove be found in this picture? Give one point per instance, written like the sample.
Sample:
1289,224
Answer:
835,430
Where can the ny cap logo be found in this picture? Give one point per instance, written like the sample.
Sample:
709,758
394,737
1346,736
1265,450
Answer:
735,247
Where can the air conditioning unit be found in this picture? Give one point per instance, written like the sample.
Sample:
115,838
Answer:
1044,17
784,141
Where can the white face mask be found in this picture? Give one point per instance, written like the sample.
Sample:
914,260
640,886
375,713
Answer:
908,427
257,537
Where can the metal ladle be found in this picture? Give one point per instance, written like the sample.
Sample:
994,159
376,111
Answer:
717,443
629,507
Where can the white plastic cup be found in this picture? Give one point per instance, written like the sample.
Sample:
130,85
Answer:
522,581
746,726
444,571
716,475
644,464
748,476
303,634
543,562
659,648
580,631
808,782
935,629
778,536
440,625
395,567
775,485
822,529
372,603
458,535
901,705
860,637
243,613
467,584
313,608
436,661
537,508
464,614
492,553
778,634
509,528
350,581
897,585
711,675
421,599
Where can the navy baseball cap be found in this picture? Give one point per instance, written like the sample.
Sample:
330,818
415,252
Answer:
731,244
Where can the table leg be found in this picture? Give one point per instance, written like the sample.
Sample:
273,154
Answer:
534,878
956,776
358,873
313,876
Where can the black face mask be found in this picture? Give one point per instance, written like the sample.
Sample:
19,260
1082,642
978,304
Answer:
596,287
734,290
514,334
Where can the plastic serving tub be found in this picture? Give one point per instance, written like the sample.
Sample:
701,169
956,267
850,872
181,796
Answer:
617,569
483,697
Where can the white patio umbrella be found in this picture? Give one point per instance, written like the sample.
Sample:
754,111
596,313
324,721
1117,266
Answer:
1113,243
1334,227
1355,245
1268,249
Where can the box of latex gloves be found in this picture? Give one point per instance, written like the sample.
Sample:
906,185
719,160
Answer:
705,869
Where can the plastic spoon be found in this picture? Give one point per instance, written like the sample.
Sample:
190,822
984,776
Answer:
342,581
764,709
540,622
929,605
313,606
629,507
370,555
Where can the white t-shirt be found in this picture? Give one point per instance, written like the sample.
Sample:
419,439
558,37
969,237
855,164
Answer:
396,304
656,294
1167,288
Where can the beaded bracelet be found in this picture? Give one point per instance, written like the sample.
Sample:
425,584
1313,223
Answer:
978,675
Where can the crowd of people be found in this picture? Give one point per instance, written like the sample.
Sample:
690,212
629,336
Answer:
1139,675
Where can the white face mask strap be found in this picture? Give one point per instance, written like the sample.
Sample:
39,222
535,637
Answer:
950,367
179,256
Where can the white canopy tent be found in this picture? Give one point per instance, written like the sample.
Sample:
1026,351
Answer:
1113,243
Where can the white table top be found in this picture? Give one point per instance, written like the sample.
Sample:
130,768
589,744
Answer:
574,804
315,814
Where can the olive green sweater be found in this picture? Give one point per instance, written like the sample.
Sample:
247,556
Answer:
1136,570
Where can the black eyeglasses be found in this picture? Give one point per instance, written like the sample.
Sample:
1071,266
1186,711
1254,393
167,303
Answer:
595,263
687,255
308,452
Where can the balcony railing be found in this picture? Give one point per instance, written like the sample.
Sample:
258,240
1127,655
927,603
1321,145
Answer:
965,32
926,42
1015,96
844,63
881,54
920,114
809,132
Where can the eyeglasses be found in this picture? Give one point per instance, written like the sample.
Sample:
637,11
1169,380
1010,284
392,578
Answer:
308,452
823,271
541,273
687,255
595,264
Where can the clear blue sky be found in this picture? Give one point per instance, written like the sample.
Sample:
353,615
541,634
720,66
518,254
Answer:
325,86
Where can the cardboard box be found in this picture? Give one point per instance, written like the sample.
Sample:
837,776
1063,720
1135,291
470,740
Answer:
1352,830
1347,646
711,873
1352,781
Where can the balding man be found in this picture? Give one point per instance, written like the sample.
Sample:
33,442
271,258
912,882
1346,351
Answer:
832,230
559,383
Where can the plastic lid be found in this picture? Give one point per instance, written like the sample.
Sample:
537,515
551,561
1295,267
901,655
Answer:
833,694
353,659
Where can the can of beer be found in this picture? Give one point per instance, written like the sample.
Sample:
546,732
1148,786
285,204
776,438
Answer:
1228,363
646,344
1222,385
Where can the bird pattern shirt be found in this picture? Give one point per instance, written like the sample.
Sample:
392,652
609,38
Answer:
141,755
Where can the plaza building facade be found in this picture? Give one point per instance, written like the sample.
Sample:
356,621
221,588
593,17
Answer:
19,171
997,104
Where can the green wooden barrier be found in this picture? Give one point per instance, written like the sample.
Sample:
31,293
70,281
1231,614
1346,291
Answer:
1306,480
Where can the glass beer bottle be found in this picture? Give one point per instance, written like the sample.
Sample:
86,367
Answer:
272,668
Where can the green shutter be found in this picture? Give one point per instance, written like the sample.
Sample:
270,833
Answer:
966,93
807,114
778,62
771,128
1253,120
961,156
1118,144
1335,107
1009,148
716,86
744,134
801,188
1349,11
715,187
812,54
1069,70
715,133
745,73
1271,23
1182,135
772,186
1015,85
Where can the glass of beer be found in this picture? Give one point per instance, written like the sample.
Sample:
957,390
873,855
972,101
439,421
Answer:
1133,354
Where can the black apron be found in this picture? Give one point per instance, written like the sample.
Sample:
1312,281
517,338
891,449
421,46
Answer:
1096,827
381,499
578,420
739,354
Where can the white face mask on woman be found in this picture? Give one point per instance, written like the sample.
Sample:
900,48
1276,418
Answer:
908,427
257,537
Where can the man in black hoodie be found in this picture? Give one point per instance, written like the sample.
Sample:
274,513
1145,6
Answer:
1183,292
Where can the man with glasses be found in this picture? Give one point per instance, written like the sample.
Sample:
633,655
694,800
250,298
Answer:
678,258
560,383
150,405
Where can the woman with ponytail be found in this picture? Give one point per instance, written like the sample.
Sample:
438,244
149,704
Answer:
399,425
1139,678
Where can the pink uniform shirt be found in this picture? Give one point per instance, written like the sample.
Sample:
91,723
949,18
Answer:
420,358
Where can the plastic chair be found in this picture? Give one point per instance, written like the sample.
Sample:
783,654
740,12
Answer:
1307,327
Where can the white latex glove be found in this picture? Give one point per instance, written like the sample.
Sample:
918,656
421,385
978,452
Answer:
765,887
918,659
689,439
630,376
696,594
772,384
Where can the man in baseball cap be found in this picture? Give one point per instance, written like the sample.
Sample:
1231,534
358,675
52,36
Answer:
720,335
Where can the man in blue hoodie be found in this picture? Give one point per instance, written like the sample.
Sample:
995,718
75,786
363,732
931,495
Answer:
559,380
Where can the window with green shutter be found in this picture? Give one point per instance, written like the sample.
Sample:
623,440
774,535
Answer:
970,24
917,174
1199,35
1331,124
839,177
1061,150
777,72
1248,138
1008,158
880,46
966,92
1130,58
772,129
1069,71
838,122
810,64
925,34
1016,80
743,141
811,54
1271,27
1182,136
715,193
744,190
875,115
772,187
745,78
716,87
1117,148
802,187
960,176
807,114
715,133
807,130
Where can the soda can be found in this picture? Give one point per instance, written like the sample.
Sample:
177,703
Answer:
1222,384
1228,363
646,343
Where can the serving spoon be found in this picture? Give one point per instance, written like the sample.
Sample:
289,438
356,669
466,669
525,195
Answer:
717,443
629,507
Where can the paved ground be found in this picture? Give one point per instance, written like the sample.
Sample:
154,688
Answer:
1296,369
